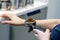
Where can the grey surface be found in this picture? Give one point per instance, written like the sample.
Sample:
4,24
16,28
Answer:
21,32
4,32
54,9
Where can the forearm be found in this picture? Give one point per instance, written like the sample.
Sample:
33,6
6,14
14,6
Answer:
48,23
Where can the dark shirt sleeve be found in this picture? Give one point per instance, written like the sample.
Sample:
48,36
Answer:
55,33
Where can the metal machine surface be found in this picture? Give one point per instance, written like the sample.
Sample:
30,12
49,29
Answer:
21,32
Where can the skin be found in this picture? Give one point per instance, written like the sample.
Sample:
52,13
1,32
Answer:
42,35
15,20
48,23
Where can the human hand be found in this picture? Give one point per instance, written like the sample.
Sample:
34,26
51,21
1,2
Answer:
14,20
42,35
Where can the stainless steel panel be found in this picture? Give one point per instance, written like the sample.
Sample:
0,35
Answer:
4,32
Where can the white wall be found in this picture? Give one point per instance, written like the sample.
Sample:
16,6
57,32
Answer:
53,9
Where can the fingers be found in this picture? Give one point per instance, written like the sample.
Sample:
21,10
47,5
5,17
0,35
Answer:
35,35
42,35
1,15
4,15
8,15
7,22
47,31
37,31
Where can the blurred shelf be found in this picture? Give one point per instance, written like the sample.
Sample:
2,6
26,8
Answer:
37,5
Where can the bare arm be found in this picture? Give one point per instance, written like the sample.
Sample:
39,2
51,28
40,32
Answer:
48,23
15,20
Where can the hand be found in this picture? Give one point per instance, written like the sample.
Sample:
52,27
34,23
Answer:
42,35
14,20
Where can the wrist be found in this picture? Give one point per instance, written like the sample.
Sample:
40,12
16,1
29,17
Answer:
23,22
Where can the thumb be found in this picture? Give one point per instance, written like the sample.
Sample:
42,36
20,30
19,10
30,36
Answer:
47,31
37,31
7,22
